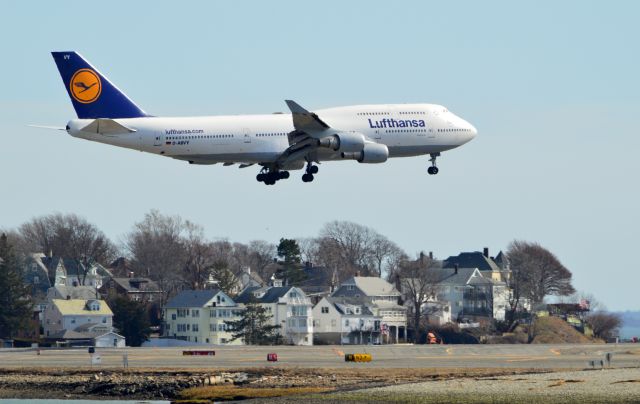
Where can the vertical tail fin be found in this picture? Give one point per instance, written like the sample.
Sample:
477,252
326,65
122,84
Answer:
92,94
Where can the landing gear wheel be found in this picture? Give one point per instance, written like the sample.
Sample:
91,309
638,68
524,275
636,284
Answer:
307,177
433,170
283,175
313,170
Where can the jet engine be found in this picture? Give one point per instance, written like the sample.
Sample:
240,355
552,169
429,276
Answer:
371,153
344,142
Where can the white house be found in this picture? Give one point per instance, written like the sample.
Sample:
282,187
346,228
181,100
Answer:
200,316
290,308
345,321
381,298
470,294
77,315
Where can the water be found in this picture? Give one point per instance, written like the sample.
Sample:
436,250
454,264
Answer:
54,401
629,332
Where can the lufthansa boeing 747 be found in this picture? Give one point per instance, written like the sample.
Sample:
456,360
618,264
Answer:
277,142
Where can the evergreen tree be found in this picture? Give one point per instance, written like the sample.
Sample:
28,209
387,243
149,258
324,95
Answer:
289,250
291,271
15,302
131,319
254,327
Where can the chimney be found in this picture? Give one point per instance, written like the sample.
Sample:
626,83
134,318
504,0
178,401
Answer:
455,269
421,257
357,273
130,274
430,255
486,252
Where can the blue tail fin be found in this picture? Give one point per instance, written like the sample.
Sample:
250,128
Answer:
92,94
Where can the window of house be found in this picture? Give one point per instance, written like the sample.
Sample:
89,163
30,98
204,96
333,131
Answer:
324,309
195,313
195,328
168,326
346,322
223,340
173,316
333,322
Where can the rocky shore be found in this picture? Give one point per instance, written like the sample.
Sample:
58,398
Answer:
153,384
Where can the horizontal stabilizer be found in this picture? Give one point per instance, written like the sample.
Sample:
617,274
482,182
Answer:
107,127
48,127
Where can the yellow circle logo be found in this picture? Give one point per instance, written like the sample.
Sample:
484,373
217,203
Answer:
85,86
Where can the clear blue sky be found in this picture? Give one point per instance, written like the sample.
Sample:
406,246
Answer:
551,86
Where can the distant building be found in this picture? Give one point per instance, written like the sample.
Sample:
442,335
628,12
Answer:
486,264
42,272
135,288
88,317
289,307
345,321
200,316
382,299
318,281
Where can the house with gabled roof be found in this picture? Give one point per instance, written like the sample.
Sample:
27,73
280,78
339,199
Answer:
290,309
134,288
471,294
200,316
70,314
345,321
483,262
382,299
72,292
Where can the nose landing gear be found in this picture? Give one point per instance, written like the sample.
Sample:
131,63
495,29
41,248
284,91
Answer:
433,170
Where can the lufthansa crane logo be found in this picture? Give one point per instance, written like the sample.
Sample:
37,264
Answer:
85,86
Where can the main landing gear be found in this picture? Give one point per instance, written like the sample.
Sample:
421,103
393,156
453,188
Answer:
308,175
433,170
270,177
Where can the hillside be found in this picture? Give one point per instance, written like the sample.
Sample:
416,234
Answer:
550,330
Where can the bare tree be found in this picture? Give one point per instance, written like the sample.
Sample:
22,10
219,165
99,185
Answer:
309,249
419,283
68,236
261,254
604,325
199,256
383,252
156,248
535,273
352,242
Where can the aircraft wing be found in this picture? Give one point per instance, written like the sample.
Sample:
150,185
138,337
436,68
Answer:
308,135
305,121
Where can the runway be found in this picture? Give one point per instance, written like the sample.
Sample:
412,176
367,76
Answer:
387,356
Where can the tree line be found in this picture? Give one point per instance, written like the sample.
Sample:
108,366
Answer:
175,253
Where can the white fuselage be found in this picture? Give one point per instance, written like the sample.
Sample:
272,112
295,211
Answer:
406,129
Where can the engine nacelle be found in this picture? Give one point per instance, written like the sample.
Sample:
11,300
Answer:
344,142
371,153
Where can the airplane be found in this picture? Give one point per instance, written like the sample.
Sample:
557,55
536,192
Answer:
278,142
